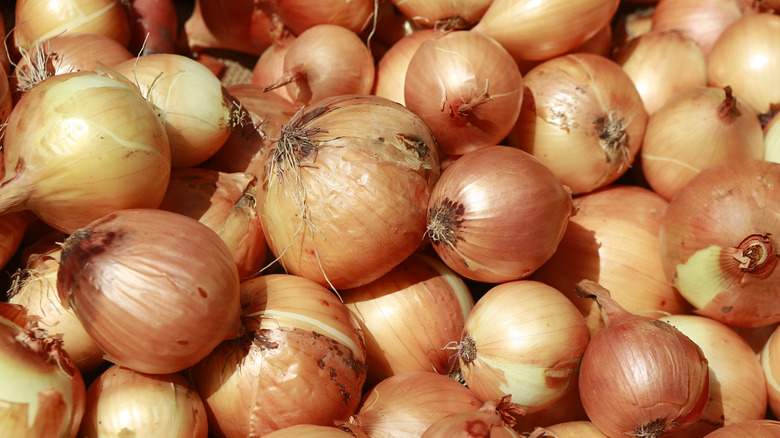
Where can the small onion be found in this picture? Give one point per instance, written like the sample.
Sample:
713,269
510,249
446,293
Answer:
300,360
43,393
718,242
640,376
523,338
406,405
748,429
408,317
300,15
497,214
582,117
110,274
718,127
81,145
466,87
122,401
344,194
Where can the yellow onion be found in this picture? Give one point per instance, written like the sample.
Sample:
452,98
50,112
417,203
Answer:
43,393
310,431
12,228
568,429
408,317
345,189
270,64
718,242
748,429
738,390
494,420
718,127
225,202
583,117
122,402
81,145
613,238
497,214
392,66
38,21
523,338
443,14
243,26
640,376
567,409
406,405
156,290
36,290
300,360
194,106
300,15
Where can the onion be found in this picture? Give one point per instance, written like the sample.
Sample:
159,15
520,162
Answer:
497,214
300,15
613,238
770,366
640,376
443,14
736,394
748,429
310,431
81,145
324,61
744,57
270,64
110,274
67,53
36,290
300,360
122,401
494,419
12,228
244,26
392,66
582,117
523,338
566,409
662,63
38,21
195,108
43,393
347,183
408,317
225,202
772,140
154,26
718,242
569,429
633,23
717,128
406,405
533,30
466,88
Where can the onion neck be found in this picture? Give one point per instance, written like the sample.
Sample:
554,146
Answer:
727,110
613,138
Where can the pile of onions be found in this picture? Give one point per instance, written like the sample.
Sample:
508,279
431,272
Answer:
324,61
533,30
406,405
613,238
497,214
38,21
697,128
81,145
738,390
110,274
662,63
408,317
345,190
640,376
718,242
300,360
583,117
194,106
523,338
12,227
301,15
466,87
121,401
744,57
36,290
43,393
225,202
443,14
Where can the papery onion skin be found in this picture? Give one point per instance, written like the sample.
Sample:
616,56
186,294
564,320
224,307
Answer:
43,393
718,242
121,401
79,146
310,431
748,429
110,274
523,338
582,117
466,87
497,214
391,67
384,162
300,15
301,360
